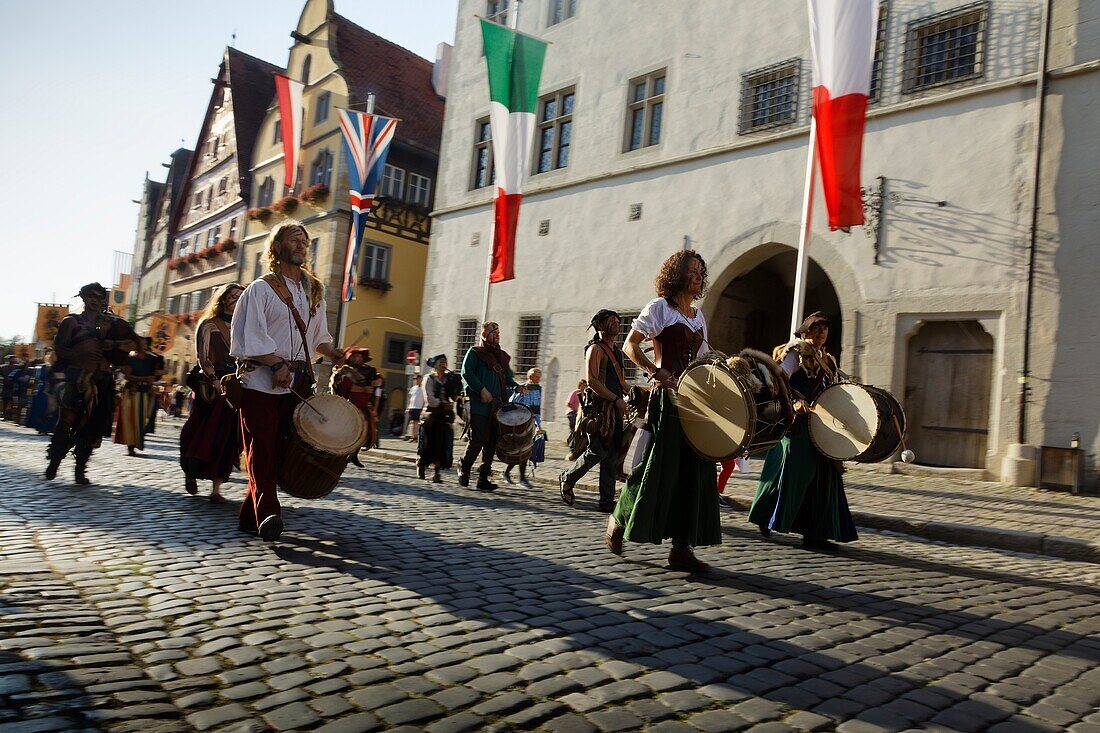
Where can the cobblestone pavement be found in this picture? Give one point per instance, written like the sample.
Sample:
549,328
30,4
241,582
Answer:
942,507
396,604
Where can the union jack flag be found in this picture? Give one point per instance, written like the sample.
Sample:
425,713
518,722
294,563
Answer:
367,141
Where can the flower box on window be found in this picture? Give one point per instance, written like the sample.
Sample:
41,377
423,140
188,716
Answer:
286,205
227,245
210,252
260,213
315,194
376,283
193,258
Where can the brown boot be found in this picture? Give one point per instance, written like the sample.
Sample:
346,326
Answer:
613,537
684,559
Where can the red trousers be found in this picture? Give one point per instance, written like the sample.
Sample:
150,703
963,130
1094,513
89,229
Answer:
265,432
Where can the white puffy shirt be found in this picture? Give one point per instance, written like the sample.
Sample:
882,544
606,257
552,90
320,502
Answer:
263,324
659,315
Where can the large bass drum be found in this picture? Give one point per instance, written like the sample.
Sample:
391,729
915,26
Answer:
327,430
857,422
733,406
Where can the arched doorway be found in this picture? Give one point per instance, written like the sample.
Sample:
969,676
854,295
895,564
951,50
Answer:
754,309
948,383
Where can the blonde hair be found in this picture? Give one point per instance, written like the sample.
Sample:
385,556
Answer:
277,237
217,304
533,371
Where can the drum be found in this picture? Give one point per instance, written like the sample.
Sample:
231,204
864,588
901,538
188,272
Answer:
516,433
732,407
857,422
326,431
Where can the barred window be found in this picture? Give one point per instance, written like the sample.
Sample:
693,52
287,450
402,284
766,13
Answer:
880,51
484,175
393,182
527,349
769,96
562,10
420,189
321,170
467,335
496,11
630,369
555,133
375,262
945,48
645,111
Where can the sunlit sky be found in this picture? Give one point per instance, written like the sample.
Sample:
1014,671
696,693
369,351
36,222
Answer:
97,94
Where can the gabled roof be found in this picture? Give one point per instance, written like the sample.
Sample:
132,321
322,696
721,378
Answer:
252,88
400,79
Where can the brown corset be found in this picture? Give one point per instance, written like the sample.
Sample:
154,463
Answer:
679,344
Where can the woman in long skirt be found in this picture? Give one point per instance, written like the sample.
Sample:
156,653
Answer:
435,441
137,398
42,415
210,439
800,489
672,493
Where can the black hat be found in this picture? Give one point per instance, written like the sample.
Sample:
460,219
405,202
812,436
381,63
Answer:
814,319
433,360
91,288
602,316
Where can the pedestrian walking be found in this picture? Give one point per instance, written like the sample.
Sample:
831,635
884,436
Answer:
9,374
531,398
210,443
416,406
800,490
85,344
489,383
43,411
435,443
137,398
358,383
604,413
672,493
279,323
573,404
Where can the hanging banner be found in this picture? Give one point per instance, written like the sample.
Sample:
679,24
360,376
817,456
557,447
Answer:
289,93
48,321
366,141
515,67
162,330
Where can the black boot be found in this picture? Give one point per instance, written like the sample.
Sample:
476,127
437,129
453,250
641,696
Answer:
55,455
354,460
483,482
82,472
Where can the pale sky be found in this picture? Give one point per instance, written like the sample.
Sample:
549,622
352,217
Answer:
95,94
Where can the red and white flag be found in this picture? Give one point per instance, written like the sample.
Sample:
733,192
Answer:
289,93
842,40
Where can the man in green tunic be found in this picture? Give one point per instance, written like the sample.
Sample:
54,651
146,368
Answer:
489,382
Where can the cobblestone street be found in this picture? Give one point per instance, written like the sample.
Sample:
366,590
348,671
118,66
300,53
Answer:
396,604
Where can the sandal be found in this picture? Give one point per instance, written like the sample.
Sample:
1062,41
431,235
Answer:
613,537
566,491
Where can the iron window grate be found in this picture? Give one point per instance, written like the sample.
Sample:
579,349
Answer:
467,332
769,96
527,350
946,48
630,369
880,51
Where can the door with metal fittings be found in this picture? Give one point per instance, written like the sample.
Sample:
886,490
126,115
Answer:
947,393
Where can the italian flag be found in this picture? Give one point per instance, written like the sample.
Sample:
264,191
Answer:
842,40
515,65
289,93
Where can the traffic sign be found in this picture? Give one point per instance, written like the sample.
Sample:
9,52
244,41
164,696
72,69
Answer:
412,358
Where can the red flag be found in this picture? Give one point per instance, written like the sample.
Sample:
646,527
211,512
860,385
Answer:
842,39
290,114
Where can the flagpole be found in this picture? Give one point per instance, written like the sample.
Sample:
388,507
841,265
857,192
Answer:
799,304
342,316
513,24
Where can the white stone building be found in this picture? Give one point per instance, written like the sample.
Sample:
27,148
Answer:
665,125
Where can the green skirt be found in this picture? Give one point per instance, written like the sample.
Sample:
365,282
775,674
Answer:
802,491
673,493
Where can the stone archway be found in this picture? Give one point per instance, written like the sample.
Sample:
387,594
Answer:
753,310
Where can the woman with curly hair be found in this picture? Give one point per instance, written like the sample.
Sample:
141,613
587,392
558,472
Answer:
671,494
210,440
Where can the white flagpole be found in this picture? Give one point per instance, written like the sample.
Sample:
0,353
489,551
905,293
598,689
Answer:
342,316
799,304
513,23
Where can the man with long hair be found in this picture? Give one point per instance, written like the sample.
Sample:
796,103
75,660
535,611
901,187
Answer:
489,383
279,323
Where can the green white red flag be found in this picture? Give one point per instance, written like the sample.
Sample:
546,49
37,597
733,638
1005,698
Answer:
515,66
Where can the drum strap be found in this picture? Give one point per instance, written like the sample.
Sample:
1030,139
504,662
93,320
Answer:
614,363
280,288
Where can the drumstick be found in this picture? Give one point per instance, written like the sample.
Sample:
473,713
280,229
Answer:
306,403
